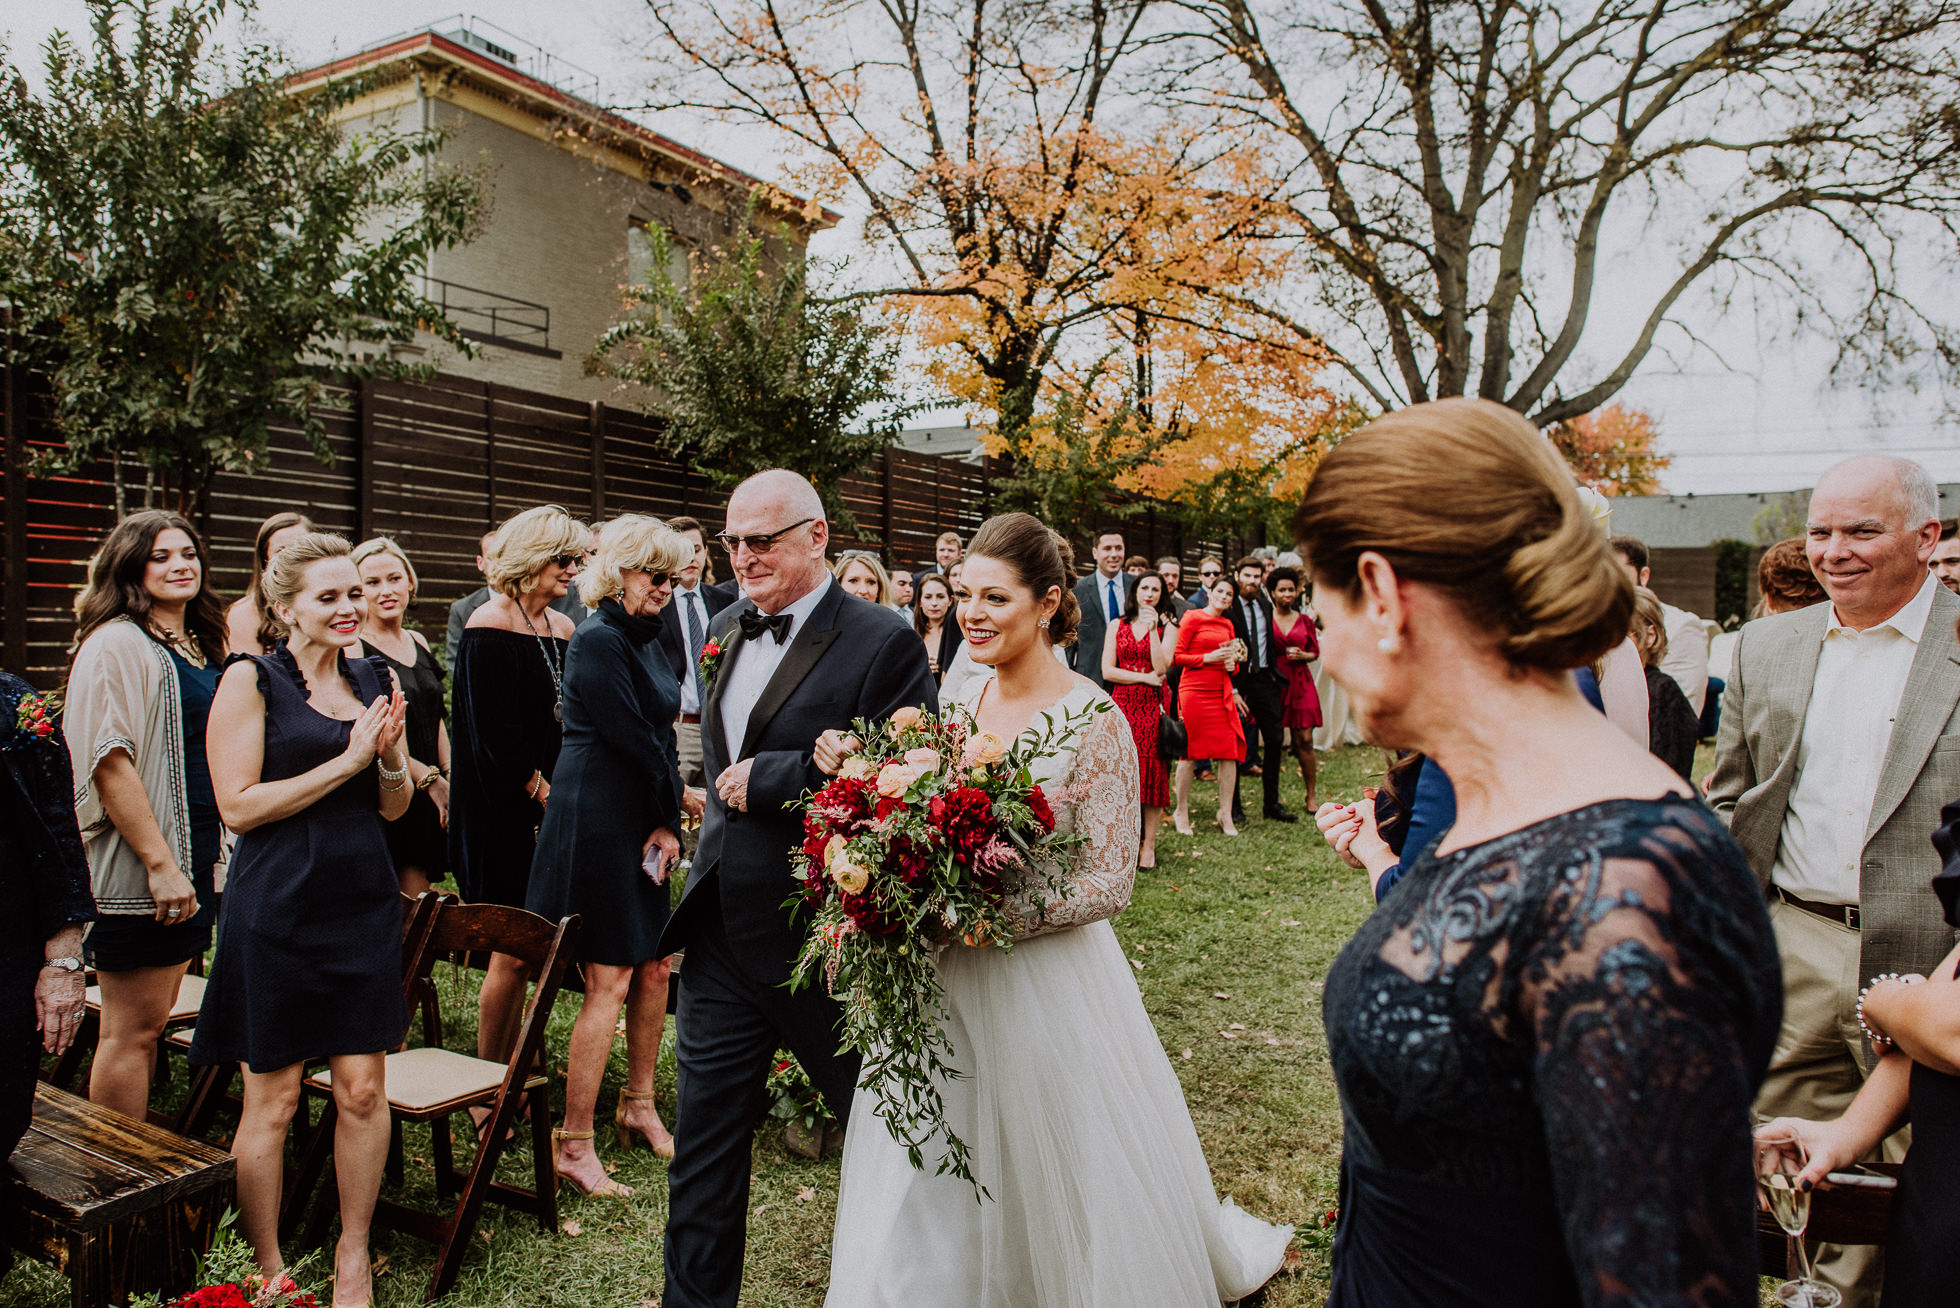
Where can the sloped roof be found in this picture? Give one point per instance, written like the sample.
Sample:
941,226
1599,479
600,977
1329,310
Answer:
495,75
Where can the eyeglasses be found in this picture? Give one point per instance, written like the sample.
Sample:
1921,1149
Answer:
568,560
761,544
1210,574
659,579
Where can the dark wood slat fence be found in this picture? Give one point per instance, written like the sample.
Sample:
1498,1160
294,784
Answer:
434,465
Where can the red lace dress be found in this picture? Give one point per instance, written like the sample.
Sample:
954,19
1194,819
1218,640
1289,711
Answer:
1140,704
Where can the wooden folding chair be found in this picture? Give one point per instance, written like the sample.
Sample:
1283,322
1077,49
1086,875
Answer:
183,1014
210,1087
431,1084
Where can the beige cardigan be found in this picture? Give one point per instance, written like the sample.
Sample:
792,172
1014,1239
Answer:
123,694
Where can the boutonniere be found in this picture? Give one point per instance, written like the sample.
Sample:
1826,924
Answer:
710,663
34,718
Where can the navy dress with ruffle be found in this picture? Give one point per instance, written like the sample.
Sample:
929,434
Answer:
308,963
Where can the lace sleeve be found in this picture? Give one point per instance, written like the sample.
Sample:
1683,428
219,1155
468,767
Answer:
1647,1022
1104,785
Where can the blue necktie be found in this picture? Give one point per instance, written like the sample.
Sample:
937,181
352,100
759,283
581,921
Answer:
1115,609
694,648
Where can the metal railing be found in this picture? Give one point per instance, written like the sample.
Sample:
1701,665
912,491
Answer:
489,316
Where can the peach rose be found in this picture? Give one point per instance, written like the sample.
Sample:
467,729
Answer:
894,779
849,876
904,720
986,748
926,760
857,767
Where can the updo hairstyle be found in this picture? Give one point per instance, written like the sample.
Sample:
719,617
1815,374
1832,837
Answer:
631,541
367,549
1468,497
285,572
1784,575
1040,559
525,544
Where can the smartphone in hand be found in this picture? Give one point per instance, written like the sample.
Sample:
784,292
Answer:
654,864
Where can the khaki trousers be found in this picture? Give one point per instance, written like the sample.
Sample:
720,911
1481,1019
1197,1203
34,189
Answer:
1819,1066
687,741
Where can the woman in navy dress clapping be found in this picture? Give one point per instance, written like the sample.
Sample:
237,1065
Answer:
307,759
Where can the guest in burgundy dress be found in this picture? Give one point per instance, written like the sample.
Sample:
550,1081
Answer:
1207,652
1298,646
1136,655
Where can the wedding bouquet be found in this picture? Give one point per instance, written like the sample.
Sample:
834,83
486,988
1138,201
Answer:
932,832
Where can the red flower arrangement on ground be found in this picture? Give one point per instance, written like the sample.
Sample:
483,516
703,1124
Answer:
932,833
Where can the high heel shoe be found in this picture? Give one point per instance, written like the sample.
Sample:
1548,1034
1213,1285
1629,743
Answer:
627,1130
1183,827
1225,825
611,1189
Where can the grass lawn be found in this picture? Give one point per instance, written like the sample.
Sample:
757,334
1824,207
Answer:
1230,939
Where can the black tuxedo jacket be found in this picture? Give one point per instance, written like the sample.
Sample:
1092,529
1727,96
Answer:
1252,667
850,660
673,633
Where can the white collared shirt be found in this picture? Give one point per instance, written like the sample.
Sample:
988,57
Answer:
1854,700
677,612
745,674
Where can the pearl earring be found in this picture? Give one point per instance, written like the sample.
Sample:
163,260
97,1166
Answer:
1389,644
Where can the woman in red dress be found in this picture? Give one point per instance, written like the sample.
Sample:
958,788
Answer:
1136,655
1208,651
1298,645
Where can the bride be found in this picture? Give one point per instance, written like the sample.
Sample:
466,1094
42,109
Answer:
1098,1191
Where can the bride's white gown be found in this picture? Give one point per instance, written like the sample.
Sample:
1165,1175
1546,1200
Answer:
1100,1195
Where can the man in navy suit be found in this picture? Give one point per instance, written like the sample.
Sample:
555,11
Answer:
800,657
689,614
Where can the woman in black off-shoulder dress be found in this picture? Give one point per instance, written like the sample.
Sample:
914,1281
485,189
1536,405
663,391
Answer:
1549,1037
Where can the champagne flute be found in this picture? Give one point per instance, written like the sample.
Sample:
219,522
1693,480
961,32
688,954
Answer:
1777,1168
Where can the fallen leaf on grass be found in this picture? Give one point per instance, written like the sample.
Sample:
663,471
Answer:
1229,1035
1137,963
486,1233
1220,994
1271,1041
1287,921
759,1210
570,1226
805,1193
1185,1054
1236,1026
379,1267
611,1168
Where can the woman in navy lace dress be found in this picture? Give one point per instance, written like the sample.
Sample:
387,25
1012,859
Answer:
1548,1039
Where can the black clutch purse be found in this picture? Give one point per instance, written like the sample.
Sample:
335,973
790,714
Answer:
1173,741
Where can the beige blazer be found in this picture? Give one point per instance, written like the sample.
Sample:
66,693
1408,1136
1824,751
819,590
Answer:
1763,711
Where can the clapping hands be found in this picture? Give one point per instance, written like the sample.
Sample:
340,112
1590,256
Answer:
377,732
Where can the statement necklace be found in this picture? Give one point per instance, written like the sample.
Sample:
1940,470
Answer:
551,665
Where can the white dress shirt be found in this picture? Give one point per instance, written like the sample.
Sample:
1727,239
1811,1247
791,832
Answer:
745,673
1854,699
1687,654
677,613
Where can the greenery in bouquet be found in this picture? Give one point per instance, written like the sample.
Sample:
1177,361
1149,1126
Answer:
932,833
229,1277
793,1097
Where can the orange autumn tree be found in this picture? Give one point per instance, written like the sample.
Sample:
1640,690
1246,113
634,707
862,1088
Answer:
1025,237
1613,450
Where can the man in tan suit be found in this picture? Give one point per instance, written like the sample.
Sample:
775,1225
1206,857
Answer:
1839,744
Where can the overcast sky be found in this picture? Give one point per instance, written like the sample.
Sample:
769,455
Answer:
1769,420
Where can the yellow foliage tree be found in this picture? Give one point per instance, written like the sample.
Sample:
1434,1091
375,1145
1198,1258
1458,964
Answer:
1613,450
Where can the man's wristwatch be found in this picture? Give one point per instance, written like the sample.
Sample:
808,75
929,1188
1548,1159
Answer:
69,964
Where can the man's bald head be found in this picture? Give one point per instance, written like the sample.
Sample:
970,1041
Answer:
780,505
1872,526
780,491
1873,477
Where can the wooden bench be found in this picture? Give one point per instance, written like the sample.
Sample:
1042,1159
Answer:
121,1207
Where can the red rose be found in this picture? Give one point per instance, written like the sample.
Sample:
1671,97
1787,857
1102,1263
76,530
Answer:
887,807
1043,814
710,649
215,1296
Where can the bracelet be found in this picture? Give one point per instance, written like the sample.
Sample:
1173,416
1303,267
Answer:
391,785
388,773
429,778
1879,1042
536,785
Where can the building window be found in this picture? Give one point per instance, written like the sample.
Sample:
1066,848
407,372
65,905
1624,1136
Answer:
640,256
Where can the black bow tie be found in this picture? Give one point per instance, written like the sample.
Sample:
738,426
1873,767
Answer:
755,622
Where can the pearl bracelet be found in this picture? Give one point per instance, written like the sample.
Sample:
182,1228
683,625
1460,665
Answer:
388,774
1879,1042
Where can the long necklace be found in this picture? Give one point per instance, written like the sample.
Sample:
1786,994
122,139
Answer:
551,665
